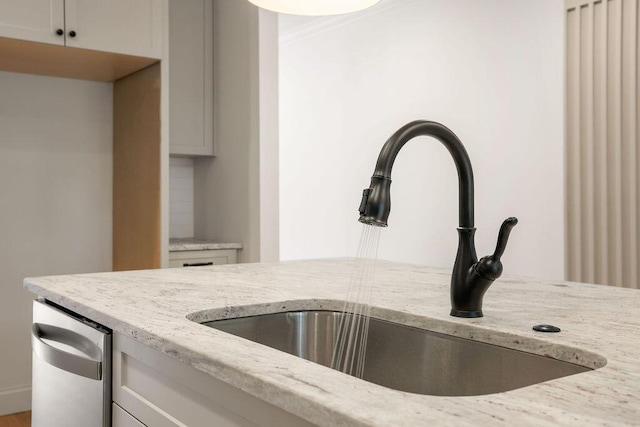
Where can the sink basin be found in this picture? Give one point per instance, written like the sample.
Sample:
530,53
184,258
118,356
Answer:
403,357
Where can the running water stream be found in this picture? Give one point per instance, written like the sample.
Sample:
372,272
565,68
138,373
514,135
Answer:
349,352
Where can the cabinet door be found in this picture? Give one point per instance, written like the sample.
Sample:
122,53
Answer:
131,27
35,20
161,391
122,418
191,77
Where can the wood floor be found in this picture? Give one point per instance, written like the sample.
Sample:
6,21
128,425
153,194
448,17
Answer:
21,419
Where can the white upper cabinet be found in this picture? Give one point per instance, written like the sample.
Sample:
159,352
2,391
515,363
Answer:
130,27
191,77
34,20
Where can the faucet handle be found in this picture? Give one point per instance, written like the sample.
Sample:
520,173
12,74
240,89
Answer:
503,236
490,267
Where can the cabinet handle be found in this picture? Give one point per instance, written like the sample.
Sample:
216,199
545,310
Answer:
59,31
197,264
72,33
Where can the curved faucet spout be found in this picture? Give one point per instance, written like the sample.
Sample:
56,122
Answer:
440,132
466,290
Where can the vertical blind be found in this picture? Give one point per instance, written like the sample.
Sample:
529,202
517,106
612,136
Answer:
602,132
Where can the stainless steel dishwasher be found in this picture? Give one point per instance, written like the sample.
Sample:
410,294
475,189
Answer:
71,383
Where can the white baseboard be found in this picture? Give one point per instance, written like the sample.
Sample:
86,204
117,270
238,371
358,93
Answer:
14,400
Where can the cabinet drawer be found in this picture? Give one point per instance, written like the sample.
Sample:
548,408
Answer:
199,258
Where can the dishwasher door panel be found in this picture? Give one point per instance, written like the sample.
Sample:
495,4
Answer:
71,370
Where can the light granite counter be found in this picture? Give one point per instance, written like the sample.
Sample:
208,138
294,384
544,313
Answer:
601,324
193,244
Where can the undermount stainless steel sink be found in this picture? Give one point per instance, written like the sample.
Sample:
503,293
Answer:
403,357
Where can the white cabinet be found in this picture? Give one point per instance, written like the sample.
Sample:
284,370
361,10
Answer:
34,20
131,27
191,77
160,391
202,258
121,418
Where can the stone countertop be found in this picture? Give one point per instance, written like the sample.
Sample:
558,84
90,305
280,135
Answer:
192,244
151,306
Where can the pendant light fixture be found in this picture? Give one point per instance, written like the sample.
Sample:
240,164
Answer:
314,7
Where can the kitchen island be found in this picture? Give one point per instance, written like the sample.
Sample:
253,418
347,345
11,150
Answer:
159,309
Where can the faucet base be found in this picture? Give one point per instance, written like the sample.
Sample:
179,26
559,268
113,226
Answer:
466,313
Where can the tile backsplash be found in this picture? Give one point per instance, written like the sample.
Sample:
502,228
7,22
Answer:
180,197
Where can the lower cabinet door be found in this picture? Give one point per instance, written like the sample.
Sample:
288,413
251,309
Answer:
161,391
121,418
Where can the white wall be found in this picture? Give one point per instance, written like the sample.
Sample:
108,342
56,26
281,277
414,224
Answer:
236,193
55,202
490,70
